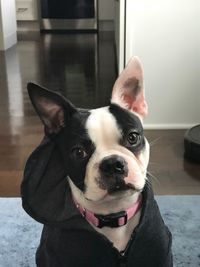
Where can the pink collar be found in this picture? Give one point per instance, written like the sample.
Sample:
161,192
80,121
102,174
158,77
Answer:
111,220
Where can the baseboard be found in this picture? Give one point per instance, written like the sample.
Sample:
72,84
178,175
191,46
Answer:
28,26
157,126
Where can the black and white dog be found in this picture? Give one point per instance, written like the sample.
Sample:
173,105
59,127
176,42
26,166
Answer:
87,182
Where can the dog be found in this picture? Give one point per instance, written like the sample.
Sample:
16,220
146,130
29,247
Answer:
87,181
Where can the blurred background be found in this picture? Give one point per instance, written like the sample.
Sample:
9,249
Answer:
79,48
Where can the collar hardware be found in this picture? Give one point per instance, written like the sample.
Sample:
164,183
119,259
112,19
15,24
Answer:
112,220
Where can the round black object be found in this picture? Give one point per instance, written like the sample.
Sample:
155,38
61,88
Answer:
192,144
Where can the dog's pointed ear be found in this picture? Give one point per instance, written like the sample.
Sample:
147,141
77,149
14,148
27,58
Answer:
128,90
52,108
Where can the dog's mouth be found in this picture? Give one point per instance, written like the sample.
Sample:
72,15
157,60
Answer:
111,189
120,188
117,191
115,185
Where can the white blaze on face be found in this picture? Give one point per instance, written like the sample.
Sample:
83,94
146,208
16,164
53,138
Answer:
105,133
102,128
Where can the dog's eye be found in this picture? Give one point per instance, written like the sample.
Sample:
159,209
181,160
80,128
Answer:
79,153
133,138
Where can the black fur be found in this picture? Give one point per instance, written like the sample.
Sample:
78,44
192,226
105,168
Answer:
127,122
74,136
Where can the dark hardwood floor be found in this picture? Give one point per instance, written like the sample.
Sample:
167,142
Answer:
172,174
82,67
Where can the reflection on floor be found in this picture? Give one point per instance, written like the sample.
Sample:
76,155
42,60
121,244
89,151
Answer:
82,67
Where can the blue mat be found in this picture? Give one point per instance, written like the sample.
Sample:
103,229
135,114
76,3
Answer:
20,235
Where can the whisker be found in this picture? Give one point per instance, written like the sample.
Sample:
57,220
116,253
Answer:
148,184
153,177
154,141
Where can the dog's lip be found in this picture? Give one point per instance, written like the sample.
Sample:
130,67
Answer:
107,198
113,194
120,188
117,194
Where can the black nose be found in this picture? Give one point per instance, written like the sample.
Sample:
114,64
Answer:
113,165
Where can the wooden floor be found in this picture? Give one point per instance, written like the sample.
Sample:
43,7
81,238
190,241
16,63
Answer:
82,67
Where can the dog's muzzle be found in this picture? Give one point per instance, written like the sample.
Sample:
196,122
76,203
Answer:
113,169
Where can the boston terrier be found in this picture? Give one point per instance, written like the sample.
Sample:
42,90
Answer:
87,181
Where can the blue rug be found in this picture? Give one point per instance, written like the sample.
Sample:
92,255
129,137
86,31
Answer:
20,235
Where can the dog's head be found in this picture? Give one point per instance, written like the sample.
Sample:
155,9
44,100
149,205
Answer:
104,150
102,153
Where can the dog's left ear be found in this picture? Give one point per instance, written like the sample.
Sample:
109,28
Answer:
128,90
52,108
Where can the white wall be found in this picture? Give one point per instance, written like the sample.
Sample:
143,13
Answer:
165,34
8,26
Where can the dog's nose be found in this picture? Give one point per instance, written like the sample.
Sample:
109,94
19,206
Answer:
113,165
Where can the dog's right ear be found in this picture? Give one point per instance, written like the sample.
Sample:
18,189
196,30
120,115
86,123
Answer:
52,108
128,90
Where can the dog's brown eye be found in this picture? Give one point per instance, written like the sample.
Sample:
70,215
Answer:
133,138
79,153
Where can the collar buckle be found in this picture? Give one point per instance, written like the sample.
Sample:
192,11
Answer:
112,220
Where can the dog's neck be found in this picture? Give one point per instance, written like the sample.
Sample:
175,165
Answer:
119,236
